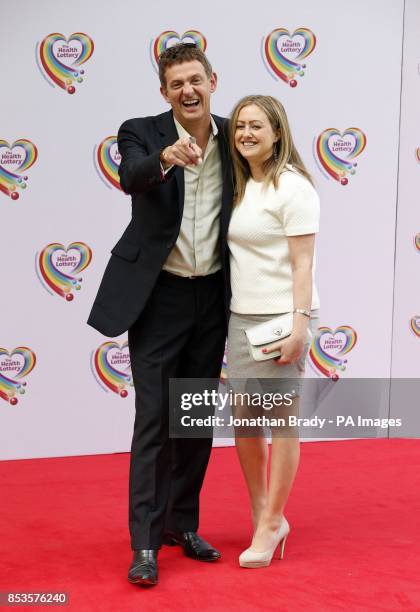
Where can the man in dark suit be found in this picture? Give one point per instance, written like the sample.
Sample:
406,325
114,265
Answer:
167,283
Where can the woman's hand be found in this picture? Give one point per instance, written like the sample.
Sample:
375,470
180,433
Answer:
291,349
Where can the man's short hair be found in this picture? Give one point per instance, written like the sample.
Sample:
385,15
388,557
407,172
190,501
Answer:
180,53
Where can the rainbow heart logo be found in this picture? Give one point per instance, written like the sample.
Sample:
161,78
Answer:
61,59
169,38
417,242
14,367
283,53
59,268
15,160
111,367
107,161
329,348
335,152
417,154
415,325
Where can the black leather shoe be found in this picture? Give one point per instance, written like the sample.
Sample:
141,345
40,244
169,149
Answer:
194,546
143,569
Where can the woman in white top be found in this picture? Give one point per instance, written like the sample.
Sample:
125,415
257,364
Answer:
271,241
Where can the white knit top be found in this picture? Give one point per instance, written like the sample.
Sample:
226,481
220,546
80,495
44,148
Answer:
261,274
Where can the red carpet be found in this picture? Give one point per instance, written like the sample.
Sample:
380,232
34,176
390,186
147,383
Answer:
354,545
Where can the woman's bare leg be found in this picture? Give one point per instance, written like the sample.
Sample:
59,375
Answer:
285,454
253,457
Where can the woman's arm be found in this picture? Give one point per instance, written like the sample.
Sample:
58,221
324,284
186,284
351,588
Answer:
301,253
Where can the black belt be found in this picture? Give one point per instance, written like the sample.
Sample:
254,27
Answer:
167,274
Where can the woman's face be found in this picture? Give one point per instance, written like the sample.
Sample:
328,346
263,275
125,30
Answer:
254,136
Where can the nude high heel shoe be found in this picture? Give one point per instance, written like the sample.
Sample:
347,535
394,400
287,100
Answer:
252,559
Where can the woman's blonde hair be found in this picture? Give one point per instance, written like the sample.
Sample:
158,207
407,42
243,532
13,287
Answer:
284,150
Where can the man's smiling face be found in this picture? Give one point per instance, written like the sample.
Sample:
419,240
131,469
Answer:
188,90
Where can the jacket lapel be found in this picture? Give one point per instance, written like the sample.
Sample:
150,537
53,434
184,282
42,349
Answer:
169,135
227,193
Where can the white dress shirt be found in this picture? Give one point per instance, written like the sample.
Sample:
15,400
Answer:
196,251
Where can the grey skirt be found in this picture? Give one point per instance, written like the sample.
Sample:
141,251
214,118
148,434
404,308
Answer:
244,373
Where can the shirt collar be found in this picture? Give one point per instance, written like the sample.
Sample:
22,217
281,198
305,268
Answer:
182,132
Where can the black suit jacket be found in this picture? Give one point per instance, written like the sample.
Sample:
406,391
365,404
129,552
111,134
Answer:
157,209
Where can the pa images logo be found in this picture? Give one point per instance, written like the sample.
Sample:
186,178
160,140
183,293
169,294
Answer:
62,59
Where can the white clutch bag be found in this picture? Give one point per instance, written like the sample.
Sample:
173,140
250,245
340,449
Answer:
264,334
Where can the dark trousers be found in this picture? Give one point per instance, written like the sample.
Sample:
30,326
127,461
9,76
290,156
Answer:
180,334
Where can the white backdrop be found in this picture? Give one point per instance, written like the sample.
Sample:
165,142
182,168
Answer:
406,341
406,320
351,84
